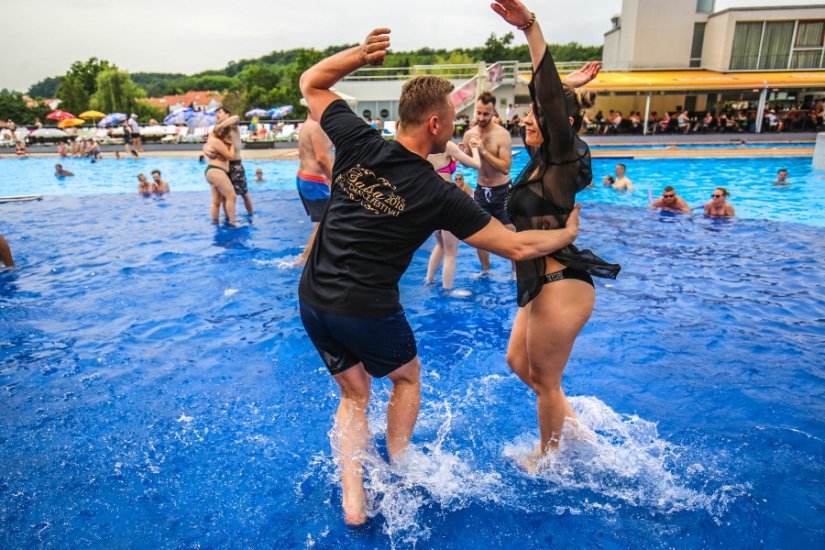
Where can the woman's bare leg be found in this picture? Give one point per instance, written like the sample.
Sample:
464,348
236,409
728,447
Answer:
450,255
221,182
435,258
557,316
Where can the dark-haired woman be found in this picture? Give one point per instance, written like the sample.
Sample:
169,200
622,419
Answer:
556,292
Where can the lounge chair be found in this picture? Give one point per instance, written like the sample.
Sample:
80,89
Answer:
286,133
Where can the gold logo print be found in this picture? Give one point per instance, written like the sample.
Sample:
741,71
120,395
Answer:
375,194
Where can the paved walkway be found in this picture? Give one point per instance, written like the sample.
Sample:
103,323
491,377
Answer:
671,141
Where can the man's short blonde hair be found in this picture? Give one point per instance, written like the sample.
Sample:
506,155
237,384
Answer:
421,97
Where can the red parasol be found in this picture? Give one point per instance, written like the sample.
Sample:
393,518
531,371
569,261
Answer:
59,115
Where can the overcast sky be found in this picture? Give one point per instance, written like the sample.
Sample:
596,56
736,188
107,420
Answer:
42,38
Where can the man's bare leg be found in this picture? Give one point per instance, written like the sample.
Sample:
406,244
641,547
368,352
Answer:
247,202
305,254
403,406
484,258
353,434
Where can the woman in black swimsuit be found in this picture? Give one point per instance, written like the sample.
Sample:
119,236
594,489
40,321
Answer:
555,293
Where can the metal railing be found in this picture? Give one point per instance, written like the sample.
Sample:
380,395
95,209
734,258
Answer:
460,71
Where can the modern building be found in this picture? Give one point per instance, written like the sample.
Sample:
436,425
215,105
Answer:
660,55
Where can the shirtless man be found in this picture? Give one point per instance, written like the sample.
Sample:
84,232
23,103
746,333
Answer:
670,202
717,206
782,178
236,171
161,186
622,182
60,172
314,175
494,144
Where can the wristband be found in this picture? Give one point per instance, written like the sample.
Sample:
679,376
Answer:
529,23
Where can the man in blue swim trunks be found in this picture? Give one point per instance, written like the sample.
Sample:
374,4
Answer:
385,201
314,174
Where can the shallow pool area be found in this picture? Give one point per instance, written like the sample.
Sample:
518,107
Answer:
750,181
158,389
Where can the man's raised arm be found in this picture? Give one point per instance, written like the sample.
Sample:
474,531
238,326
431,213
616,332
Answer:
318,79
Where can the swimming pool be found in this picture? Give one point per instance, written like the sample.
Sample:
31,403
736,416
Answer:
159,391
750,181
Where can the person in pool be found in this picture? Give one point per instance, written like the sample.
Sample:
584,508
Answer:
782,178
259,175
145,187
236,170
717,206
315,159
5,253
670,202
555,291
161,187
60,172
386,200
218,149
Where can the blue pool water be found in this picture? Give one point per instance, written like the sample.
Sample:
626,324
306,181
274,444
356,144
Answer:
158,389
748,179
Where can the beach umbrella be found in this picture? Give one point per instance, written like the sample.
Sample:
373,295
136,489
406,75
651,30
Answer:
256,112
59,115
179,116
201,120
94,115
111,119
280,111
48,133
71,122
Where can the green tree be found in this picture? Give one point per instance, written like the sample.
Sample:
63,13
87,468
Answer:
80,83
46,88
115,92
497,49
13,106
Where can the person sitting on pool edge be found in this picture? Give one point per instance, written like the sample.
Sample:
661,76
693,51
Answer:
60,172
717,206
670,202
386,200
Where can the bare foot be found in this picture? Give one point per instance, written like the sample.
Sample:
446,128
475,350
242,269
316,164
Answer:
354,505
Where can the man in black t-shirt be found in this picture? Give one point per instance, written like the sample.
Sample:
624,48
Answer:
385,202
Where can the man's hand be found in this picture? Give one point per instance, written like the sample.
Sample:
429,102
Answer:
579,78
572,225
375,47
476,143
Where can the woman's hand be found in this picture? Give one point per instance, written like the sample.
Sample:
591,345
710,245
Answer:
579,78
512,11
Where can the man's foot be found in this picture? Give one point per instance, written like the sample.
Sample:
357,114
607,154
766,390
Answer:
481,274
354,505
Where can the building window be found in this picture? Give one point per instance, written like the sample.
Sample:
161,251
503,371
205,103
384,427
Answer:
776,45
705,6
696,47
746,40
807,52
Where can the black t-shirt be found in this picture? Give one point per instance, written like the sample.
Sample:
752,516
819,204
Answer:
385,201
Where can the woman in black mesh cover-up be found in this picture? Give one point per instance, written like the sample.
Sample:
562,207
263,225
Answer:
555,293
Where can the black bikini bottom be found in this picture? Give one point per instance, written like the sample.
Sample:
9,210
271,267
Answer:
568,273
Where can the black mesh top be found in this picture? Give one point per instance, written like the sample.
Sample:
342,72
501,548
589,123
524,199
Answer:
545,191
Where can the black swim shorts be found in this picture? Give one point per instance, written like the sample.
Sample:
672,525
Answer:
343,341
493,200
237,175
314,209
127,138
